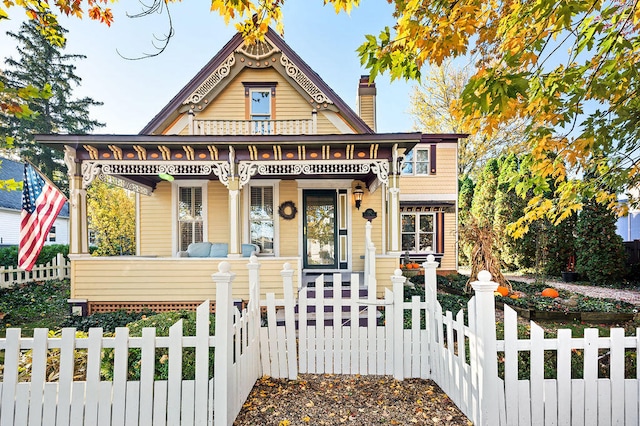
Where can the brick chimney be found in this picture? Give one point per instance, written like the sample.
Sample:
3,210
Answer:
366,101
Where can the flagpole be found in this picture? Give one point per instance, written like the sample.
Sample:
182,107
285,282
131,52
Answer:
45,177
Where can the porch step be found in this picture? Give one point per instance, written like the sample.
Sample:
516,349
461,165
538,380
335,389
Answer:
309,278
363,317
328,308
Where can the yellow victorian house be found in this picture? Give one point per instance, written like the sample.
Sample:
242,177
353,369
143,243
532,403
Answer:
257,155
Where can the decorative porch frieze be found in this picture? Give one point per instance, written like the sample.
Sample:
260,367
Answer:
305,82
247,169
92,169
212,81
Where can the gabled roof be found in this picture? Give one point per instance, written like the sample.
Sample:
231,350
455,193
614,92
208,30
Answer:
12,200
224,60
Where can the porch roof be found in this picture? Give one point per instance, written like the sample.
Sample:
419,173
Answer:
171,149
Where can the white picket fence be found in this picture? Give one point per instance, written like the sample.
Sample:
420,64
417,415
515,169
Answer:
353,335
335,330
58,268
146,401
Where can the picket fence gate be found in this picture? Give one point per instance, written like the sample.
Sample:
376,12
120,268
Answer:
57,268
338,332
327,330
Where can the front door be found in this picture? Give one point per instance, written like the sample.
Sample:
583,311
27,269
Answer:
320,236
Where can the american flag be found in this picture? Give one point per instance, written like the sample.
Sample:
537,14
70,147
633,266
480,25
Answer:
41,203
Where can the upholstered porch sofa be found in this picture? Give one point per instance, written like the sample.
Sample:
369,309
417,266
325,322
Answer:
207,249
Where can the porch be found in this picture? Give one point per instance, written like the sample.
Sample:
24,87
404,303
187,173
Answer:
103,284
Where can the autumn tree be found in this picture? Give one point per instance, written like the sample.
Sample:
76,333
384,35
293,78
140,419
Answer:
435,107
111,215
572,67
41,64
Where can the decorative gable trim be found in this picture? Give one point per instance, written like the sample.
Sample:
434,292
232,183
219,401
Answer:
305,82
212,81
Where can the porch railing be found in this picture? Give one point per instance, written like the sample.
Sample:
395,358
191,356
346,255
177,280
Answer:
255,127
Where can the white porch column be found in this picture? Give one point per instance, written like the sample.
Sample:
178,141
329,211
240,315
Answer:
78,229
394,214
235,222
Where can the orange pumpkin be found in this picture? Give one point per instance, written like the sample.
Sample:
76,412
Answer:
504,291
550,292
416,265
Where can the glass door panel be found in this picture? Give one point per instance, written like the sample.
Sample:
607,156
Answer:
320,229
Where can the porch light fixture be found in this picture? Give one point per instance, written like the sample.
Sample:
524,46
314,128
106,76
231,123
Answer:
358,193
166,176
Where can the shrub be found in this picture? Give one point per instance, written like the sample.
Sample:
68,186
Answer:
600,254
9,255
162,323
108,321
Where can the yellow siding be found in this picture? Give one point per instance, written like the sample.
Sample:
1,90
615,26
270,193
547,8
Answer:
218,212
155,222
169,279
443,182
449,259
288,229
385,267
358,228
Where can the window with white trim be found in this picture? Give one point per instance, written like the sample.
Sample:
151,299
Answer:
418,232
190,216
261,218
260,104
416,162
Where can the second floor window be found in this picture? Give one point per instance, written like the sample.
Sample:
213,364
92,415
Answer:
260,104
416,162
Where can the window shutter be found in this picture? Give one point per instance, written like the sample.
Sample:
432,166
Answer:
432,158
440,232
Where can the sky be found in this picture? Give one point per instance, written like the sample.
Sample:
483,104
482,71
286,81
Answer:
134,91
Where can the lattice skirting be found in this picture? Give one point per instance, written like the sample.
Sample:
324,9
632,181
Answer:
101,307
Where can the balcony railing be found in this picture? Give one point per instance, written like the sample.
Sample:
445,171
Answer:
255,127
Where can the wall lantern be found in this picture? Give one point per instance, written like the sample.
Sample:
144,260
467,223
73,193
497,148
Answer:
358,193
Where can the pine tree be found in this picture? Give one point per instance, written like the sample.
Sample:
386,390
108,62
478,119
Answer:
40,64
465,198
600,254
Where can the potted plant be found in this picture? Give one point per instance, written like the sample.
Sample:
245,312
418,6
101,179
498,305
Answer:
570,275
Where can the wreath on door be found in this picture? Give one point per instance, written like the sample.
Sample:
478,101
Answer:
287,210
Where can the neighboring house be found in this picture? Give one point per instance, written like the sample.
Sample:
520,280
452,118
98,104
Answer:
257,149
628,226
11,207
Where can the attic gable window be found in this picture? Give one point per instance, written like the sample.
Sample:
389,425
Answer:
260,100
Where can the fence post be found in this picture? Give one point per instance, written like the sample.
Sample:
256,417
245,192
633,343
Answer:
289,321
398,324
431,300
486,348
224,345
254,282
59,266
